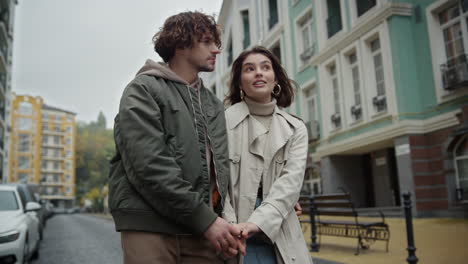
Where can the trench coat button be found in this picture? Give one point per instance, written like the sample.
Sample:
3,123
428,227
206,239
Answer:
293,258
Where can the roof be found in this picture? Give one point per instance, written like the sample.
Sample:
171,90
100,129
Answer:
48,107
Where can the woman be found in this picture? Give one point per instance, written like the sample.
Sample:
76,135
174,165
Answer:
267,152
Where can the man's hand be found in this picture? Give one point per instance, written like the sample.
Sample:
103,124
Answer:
298,209
224,237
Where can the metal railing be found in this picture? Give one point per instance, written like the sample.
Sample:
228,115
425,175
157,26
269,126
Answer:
455,72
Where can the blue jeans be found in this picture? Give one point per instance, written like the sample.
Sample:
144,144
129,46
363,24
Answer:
259,251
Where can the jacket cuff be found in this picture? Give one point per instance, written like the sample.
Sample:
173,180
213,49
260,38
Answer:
201,219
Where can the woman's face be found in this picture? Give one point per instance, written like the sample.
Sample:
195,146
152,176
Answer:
258,78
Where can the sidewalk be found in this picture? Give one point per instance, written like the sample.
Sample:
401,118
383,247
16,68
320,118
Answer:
437,241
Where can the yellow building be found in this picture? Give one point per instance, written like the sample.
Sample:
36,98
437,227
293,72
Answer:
42,149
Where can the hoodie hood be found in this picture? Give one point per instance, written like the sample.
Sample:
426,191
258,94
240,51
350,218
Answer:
161,70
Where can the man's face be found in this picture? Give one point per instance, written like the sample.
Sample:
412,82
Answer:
202,55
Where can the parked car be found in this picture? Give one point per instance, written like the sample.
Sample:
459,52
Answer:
19,225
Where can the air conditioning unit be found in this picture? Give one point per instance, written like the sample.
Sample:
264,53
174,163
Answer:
336,119
307,53
356,111
455,77
313,130
380,102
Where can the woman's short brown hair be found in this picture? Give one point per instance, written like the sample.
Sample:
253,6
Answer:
182,30
285,97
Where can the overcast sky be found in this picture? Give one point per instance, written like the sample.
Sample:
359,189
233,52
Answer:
79,54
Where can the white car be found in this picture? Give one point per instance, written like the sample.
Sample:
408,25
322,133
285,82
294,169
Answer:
19,226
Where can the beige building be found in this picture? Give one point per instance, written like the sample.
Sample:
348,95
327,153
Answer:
42,149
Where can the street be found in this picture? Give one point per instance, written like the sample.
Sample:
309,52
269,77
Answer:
78,238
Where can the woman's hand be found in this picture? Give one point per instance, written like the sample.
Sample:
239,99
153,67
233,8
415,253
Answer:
248,229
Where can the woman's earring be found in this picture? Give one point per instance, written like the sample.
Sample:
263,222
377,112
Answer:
278,91
241,95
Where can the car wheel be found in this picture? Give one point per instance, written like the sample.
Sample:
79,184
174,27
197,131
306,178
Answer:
26,251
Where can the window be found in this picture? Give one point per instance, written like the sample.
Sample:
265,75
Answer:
24,143
68,141
25,108
335,118
67,165
461,166
379,101
306,37
24,124
310,98
45,126
246,24
45,140
364,5
453,23
8,201
56,165
56,140
68,154
68,177
23,177
57,118
23,162
356,110
44,165
57,128
45,116
276,50
334,23
272,13
229,53
56,153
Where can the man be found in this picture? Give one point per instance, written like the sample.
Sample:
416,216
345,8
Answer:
169,178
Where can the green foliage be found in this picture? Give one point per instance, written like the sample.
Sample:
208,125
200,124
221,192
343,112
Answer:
94,149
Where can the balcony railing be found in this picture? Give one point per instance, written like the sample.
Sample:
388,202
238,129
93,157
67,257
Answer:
455,73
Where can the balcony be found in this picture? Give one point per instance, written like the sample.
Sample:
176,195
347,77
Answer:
455,73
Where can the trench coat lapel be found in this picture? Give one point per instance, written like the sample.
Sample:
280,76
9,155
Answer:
256,131
280,132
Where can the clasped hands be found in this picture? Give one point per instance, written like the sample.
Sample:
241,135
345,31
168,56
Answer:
230,239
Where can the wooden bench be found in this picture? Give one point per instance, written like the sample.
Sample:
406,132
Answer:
340,205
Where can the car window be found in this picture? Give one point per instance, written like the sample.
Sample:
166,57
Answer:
8,201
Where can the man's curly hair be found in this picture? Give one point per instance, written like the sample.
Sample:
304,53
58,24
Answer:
182,30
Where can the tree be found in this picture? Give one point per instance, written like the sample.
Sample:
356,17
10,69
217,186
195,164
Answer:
94,149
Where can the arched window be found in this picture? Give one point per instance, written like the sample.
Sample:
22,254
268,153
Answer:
461,167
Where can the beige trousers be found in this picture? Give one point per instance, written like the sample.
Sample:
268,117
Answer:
152,248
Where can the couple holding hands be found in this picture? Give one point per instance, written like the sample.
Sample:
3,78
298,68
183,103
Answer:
194,183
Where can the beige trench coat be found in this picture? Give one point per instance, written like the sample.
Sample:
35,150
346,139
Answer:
280,166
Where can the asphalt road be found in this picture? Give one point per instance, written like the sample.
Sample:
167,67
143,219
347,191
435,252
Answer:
80,239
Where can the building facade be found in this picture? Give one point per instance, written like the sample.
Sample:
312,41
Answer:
383,92
42,149
7,17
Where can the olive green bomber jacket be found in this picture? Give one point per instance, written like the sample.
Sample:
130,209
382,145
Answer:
155,183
